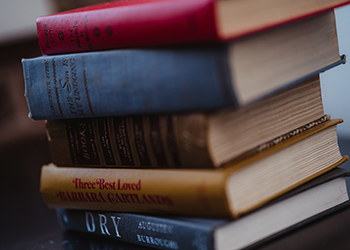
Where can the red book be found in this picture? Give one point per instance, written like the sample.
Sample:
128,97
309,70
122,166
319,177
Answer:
135,23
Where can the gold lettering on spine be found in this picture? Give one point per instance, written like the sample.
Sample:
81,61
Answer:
48,87
87,88
56,89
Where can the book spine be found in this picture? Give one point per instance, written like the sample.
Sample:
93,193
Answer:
127,24
125,82
196,193
155,232
134,141
142,141
132,25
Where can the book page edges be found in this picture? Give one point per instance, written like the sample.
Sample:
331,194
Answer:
225,33
238,163
344,159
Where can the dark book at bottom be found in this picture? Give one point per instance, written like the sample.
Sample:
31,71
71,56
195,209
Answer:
308,202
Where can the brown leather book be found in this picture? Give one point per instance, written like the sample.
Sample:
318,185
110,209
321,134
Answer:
194,140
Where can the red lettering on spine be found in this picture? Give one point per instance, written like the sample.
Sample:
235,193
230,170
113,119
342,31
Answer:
125,198
61,195
74,196
114,198
88,198
81,196
129,186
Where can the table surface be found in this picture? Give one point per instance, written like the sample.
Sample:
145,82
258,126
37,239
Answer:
27,223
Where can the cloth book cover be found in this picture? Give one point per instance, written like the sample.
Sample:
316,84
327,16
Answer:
121,24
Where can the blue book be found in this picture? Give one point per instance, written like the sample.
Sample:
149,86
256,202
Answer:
177,79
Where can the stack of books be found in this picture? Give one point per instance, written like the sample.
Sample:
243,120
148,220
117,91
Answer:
181,124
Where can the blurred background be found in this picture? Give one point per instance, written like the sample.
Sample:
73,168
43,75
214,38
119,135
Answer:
336,82
18,40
